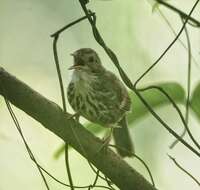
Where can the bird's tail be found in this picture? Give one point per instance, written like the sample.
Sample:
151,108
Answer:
123,140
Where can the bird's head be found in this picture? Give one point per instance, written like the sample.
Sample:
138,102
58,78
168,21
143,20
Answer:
87,60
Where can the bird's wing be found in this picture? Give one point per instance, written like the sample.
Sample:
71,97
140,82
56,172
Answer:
118,94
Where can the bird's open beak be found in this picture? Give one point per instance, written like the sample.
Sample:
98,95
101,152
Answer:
73,66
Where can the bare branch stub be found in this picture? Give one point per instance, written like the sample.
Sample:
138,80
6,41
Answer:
184,170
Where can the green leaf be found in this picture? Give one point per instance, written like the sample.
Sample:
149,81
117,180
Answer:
195,101
153,97
156,99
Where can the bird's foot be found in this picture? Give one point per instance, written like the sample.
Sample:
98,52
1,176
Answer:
73,116
104,146
106,139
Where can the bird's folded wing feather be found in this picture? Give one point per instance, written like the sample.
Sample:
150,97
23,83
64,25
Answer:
114,91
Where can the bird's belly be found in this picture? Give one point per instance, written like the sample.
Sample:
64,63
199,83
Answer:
93,107
100,113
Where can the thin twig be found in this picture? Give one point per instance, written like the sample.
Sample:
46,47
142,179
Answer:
188,75
24,141
55,40
181,13
169,46
140,159
175,34
64,184
96,178
166,126
185,171
188,89
68,166
70,25
109,183
177,109
96,172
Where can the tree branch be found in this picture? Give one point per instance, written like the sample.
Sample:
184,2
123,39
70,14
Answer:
52,117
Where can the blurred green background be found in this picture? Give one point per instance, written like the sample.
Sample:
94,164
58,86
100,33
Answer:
138,37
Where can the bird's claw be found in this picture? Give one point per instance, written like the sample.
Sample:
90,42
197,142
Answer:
104,146
73,116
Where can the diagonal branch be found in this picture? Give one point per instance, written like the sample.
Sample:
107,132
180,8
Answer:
51,116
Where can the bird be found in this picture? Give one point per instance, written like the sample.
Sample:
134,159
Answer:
98,95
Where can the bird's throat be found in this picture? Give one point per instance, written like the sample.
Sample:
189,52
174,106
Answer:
82,80
80,76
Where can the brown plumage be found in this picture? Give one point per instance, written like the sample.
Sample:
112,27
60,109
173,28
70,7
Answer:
96,93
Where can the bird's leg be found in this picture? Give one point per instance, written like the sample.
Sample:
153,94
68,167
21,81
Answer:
75,116
106,139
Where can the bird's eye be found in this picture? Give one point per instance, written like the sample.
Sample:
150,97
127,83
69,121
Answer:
91,59
79,62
